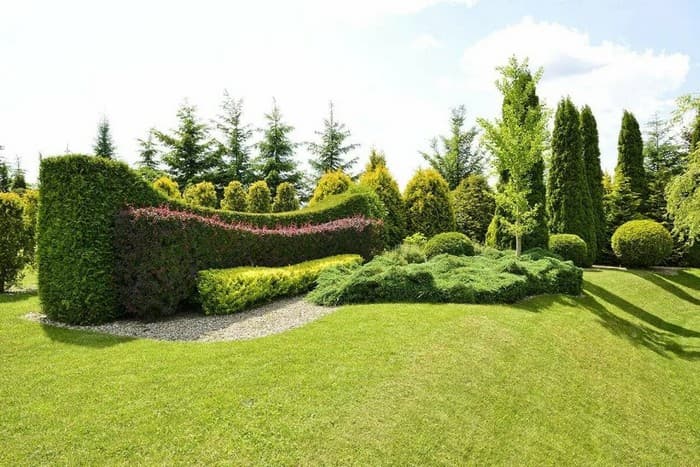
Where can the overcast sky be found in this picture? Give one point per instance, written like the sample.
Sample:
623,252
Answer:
393,68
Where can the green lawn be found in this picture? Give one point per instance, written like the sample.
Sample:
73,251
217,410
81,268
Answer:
609,378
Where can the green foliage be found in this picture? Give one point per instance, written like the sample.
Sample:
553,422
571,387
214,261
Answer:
104,146
188,153
259,198
517,141
30,210
641,243
227,291
683,196
81,197
695,135
234,197
630,156
233,149
331,183
428,206
286,198
18,182
408,253
417,239
4,176
459,158
275,163
329,154
200,194
148,152
570,247
13,239
569,200
383,184
168,187
474,205
494,278
376,158
451,243
594,178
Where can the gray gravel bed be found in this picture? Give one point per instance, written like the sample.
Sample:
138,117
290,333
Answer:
265,320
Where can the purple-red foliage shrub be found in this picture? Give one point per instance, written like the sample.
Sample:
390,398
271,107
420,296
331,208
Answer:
159,251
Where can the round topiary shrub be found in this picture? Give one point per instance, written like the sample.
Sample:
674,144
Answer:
234,197
641,243
570,247
451,243
331,183
168,187
259,198
286,198
200,194
428,205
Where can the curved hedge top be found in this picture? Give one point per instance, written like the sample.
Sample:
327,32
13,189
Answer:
80,199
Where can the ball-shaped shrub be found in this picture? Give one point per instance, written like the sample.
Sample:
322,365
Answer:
331,183
168,187
570,247
259,198
200,194
428,205
451,243
286,198
234,197
641,243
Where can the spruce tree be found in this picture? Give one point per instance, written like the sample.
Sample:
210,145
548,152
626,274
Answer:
18,181
594,176
330,153
569,200
189,155
630,156
233,148
4,175
275,162
148,152
104,146
458,158
376,158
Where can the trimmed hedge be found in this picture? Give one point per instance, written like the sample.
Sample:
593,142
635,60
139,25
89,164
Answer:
492,277
451,243
160,251
81,197
570,247
641,243
226,291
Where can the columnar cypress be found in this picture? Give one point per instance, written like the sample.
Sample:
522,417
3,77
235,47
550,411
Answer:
630,156
569,202
594,176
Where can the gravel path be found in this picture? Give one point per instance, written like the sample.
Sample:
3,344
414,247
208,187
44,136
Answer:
265,320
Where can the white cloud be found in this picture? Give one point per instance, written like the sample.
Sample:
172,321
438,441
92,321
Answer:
425,42
607,76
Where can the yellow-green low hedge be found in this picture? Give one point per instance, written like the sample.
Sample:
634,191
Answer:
226,291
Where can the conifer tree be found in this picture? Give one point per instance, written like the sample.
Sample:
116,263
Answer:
148,152
275,162
695,134
233,148
379,180
286,198
630,156
4,175
594,176
234,197
259,198
569,200
428,204
330,153
376,158
458,158
18,181
104,146
189,155
474,206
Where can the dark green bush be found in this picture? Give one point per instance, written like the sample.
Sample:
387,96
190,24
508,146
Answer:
474,206
641,243
451,243
286,198
13,239
428,206
81,197
496,277
570,247
226,291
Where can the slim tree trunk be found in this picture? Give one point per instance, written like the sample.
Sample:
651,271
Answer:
518,245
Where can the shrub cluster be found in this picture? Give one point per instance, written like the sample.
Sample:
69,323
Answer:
160,251
493,277
81,197
641,243
226,291
451,243
570,247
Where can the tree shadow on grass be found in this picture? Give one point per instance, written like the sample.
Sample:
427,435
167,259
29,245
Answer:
83,338
670,287
662,343
12,297
685,279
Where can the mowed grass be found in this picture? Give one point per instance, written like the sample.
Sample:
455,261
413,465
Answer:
612,377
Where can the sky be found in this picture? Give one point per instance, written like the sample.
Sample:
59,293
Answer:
393,68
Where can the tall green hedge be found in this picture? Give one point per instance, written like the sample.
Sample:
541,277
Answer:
80,199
